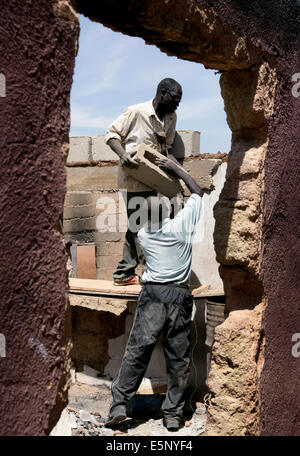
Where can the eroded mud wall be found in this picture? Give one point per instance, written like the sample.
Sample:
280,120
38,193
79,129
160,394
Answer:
37,52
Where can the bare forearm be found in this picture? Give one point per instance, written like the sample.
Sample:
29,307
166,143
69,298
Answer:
189,181
173,158
125,157
116,147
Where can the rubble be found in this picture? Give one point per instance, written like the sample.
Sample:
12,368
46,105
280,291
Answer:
89,405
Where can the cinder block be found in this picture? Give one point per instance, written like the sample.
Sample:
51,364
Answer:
81,237
114,248
101,248
151,175
77,225
92,178
78,198
202,170
186,143
101,151
80,149
107,261
71,212
111,237
105,273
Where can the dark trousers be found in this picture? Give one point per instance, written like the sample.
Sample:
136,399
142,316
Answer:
132,251
160,308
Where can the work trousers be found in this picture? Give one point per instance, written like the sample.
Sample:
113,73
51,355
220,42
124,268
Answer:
132,251
165,308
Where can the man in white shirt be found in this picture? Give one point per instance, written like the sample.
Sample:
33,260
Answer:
164,305
152,123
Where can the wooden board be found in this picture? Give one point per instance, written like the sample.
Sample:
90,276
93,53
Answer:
106,287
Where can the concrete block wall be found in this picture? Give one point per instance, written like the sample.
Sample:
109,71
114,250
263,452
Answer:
93,190
85,148
87,209
85,213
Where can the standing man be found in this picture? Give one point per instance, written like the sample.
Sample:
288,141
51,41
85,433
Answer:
164,305
152,123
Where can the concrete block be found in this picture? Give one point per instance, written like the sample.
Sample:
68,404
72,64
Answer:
92,178
107,261
71,212
101,151
77,225
80,149
82,237
186,143
151,175
105,273
78,198
109,236
115,248
203,170
102,248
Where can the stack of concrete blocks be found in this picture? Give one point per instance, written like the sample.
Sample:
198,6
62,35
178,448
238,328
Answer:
93,191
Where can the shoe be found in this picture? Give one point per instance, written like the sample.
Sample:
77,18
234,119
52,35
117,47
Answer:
172,424
116,417
132,281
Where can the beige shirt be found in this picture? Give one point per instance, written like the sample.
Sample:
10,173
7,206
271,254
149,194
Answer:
135,126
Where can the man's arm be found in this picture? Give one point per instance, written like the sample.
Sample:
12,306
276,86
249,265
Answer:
125,157
171,167
117,133
173,158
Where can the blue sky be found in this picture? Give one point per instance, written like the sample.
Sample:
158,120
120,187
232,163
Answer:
114,71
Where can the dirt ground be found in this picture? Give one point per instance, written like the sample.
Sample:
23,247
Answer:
88,407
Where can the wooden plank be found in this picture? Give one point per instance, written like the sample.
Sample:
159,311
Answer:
102,286
93,286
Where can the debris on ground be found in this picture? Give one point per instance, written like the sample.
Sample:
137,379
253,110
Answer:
89,405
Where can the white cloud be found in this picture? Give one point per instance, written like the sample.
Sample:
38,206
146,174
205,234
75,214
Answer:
83,117
198,108
106,76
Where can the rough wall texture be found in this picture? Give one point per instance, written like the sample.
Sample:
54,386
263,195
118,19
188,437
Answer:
253,222
37,52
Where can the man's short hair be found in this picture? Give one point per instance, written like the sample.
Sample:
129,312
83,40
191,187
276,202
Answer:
158,208
167,84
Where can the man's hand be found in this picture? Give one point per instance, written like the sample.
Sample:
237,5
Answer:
167,165
177,171
127,160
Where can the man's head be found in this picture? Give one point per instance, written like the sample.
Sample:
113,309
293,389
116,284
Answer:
158,208
168,95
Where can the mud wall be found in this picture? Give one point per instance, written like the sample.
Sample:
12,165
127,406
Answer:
37,52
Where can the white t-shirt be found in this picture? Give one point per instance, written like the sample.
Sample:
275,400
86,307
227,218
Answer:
168,249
